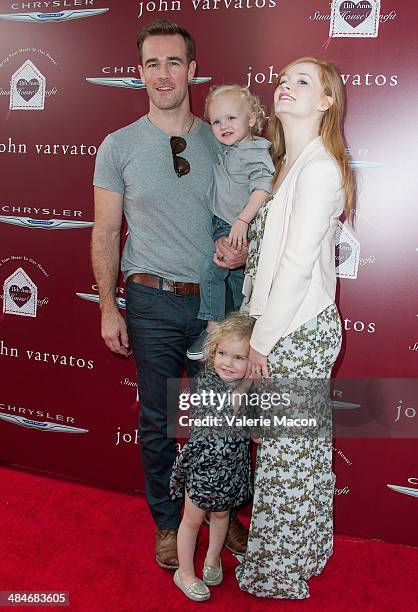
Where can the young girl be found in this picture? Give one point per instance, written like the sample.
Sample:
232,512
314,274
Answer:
214,468
242,181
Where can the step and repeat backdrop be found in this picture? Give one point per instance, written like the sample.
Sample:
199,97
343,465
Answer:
68,77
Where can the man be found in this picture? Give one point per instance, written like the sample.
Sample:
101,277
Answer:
157,171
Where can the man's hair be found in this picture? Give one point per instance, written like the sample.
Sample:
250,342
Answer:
163,27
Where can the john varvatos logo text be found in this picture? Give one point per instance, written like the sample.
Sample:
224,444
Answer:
164,6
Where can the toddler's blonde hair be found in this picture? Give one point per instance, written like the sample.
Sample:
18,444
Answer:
252,101
236,325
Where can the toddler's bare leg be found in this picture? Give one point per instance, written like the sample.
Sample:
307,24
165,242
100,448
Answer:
219,523
186,539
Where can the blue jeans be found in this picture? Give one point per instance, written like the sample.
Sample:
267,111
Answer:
161,327
213,281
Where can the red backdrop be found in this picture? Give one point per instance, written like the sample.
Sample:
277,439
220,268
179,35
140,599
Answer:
67,405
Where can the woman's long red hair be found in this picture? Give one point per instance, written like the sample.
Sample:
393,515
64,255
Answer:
330,130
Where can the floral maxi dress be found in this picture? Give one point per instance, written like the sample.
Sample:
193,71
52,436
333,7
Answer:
291,531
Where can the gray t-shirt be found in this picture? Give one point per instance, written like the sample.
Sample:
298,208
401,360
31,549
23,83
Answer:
169,221
242,168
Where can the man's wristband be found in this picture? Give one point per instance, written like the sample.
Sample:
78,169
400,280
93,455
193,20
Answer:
244,221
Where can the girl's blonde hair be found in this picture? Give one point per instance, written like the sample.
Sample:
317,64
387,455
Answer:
331,129
252,101
236,325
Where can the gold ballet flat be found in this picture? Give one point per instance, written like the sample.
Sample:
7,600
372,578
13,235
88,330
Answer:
212,575
197,591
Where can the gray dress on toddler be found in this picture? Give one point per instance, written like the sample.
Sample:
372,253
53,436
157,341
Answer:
214,465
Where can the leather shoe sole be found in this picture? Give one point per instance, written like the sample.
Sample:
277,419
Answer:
172,567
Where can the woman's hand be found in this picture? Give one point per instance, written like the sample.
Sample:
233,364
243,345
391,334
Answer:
257,365
238,235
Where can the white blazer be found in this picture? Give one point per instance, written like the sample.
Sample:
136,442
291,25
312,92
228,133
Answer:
295,278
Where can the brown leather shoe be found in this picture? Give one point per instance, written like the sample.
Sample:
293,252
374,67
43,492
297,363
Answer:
237,536
166,548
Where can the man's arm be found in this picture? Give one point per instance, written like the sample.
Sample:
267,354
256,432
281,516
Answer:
105,246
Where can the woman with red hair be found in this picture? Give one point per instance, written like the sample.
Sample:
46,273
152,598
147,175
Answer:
290,288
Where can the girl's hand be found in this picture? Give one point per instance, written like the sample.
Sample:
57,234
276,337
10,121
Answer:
238,235
257,365
256,440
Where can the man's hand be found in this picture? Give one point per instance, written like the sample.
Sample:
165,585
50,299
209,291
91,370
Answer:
114,332
228,257
238,235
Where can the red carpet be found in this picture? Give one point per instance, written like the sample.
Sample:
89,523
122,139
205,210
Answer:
98,545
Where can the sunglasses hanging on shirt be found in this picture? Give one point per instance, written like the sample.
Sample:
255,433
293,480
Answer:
178,144
181,165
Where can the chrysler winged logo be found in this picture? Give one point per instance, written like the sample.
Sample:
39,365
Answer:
405,490
93,297
364,164
134,83
344,405
48,17
41,425
44,223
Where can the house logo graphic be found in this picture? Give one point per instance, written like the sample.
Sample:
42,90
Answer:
347,253
354,19
27,88
20,295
